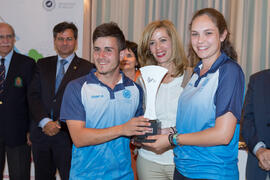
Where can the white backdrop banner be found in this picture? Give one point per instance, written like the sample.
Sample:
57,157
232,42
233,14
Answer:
33,22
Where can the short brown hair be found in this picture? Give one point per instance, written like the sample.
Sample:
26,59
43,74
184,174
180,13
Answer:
112,30
61,27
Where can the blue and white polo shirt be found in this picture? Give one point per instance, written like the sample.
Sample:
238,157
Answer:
88,99
205,98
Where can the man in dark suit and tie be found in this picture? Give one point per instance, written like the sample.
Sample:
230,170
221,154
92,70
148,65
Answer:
51,143
16,71
256,126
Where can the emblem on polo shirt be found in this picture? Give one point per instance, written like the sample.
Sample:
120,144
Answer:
18,82
126,93
97,96
205,82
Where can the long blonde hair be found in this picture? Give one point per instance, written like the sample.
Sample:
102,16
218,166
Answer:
178,54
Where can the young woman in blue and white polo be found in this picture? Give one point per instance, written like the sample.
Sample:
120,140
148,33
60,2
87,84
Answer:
209,109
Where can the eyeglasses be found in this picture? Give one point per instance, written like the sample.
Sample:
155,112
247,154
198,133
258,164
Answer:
8,37
69,39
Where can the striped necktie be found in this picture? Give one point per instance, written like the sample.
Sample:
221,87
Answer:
2,75
60,74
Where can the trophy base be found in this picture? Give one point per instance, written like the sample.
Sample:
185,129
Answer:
143,140
156,126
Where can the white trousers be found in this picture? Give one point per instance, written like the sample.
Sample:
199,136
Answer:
148,170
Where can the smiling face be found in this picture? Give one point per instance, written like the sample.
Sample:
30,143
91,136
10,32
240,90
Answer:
205,38
129,61
7,39
106,55
65,43
161,46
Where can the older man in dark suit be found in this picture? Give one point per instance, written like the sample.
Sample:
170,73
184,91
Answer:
256,125
16,71
51,143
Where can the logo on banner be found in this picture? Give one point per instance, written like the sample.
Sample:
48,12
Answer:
48,5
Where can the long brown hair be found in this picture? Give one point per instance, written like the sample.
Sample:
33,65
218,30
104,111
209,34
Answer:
220,22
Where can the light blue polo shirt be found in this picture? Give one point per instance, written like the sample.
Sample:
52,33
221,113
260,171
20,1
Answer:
88,99
205,98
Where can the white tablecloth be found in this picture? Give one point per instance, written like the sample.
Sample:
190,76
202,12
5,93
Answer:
242,161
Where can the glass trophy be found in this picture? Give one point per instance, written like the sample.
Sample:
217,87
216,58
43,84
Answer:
152,77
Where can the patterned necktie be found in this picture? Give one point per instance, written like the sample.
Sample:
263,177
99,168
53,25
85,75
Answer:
60,74
2,75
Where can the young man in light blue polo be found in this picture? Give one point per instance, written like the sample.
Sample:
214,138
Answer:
102,110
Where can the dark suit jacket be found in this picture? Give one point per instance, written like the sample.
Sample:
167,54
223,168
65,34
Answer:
42,98
14,113
256,120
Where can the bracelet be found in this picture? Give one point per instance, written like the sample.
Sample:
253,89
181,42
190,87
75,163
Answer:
174,139
173,130
170,137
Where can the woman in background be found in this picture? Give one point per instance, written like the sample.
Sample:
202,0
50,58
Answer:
130,65
209,109
160,45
